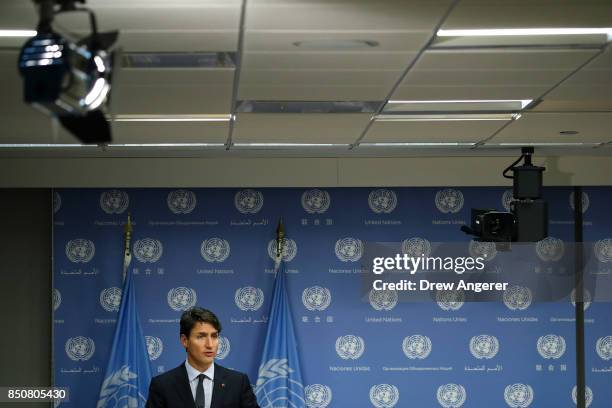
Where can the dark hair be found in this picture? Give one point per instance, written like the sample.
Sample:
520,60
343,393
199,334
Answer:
197,314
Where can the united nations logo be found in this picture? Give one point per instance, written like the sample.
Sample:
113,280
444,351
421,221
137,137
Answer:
181,298
315,201
248,201
585,201
148,250
80,250
416,247
350,347
277,386
57,299
486,250
80,348
318,395
451,395
289,249
249,298
604,347
586,299
382,201
120,389
57,201
550,249
181,201
416,346
110,299
224,348
588,395
114,201
551,346
450,299
155,347
449,201
349,249
517,297
215,250
384,395
507,198
383,299
316,298
603,250
484,346
518,395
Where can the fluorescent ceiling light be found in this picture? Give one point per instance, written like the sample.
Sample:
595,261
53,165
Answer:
41,145
171,118
58,145
447,117
546,144
17,33
291,145
416,144
464,104
492,32
167,145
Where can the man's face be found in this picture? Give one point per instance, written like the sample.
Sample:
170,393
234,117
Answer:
201,345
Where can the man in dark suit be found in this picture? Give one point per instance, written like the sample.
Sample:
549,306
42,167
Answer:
199,382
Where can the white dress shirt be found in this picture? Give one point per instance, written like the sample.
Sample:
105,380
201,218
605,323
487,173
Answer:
192,376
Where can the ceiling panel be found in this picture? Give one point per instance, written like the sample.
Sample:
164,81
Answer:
169,132
431,132
299,128
530,13
488,74
545,128
173,91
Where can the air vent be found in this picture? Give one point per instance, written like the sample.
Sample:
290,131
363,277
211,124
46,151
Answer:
180,60
307,107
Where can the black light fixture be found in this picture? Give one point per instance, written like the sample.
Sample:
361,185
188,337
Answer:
69,79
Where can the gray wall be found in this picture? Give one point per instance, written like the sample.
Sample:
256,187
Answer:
25,289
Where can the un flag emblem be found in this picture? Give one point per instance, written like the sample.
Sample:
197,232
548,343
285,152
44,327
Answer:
215,250
288,252
181,201
507,198
249,298
318,396
384,395
315,201
57,299
517,297
585,201
484,250
484,346
316,298
588,395
224,348
181,298
416,346
148,250
550,249
350,347
80,348
449,201
57,201
451,395
450,299
114,201
110,299
603,250
383,299
518,395
248,201
382,201
155,347
80,250
551,346
416,247
349,249
604,347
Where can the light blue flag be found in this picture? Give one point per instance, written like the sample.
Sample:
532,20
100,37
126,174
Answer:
128,373
279,381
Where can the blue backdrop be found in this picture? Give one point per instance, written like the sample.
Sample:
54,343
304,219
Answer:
211,247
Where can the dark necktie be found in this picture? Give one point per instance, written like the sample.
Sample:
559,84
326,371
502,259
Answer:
199,400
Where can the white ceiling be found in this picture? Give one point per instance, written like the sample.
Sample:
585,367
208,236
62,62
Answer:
572,81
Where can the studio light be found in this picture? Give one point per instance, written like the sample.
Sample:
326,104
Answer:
69,79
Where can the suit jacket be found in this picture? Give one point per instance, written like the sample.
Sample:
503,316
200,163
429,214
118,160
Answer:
231,389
